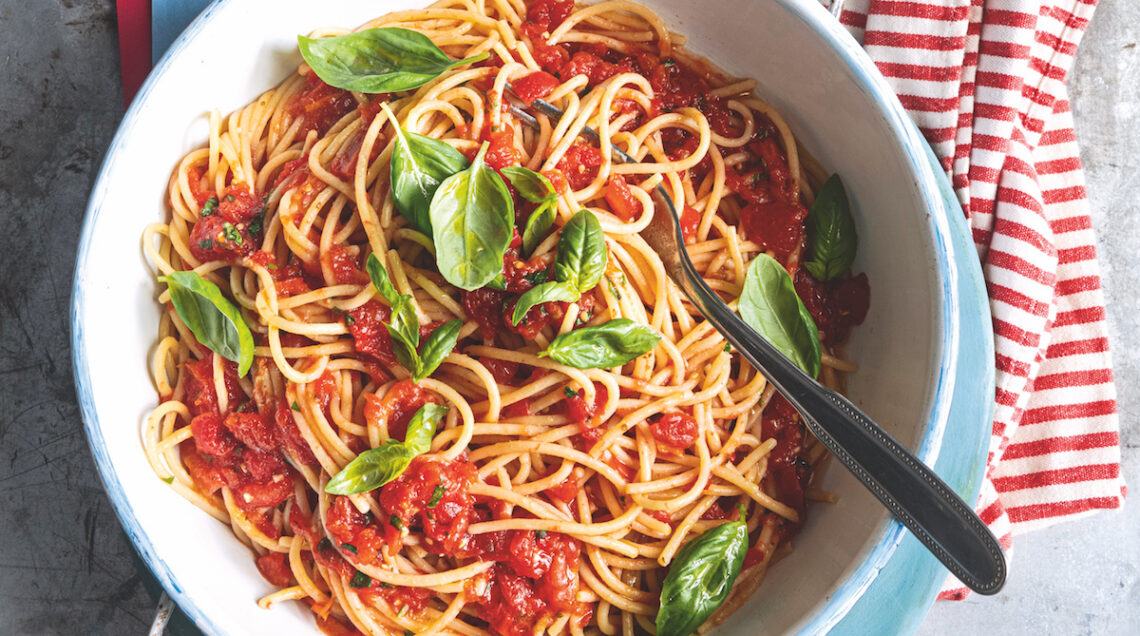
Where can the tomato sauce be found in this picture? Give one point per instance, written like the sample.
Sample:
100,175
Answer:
677,431
321,105
368,326
836,305
397,407
537,85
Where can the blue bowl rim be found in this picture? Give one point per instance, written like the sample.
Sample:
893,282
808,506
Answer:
862,71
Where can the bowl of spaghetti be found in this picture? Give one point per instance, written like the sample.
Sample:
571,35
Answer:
398,358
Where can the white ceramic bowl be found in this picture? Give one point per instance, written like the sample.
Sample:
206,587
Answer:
924,293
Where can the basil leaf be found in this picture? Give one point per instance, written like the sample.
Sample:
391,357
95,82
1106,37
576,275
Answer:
499,282
831,232
533,186
700,578
538,227
581,252
383,60
419,165
543,293
604,346
214,320
404,325
436,347
421,428
769,305
472,219
371,469
380,280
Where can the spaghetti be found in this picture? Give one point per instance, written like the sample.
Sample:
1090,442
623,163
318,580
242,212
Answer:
553,498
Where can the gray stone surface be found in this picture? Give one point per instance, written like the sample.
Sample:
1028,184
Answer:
65,565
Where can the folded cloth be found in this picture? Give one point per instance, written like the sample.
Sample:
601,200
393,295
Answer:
985,82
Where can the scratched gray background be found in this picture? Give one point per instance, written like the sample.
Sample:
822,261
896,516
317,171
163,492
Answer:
65,565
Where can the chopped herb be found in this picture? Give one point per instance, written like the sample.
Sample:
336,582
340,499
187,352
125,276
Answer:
614,289
568,392
231,233
386,586
403,610
295,406
622,499
169,480
256,222
408,632
762,133
324,544
348,546
348,320
755,179
271,266
728,347
206,244
396,523
436,495
668,61
360,580
208,206
229,197
539,534
369,517
537,278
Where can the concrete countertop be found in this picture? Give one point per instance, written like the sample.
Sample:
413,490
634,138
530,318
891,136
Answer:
66,566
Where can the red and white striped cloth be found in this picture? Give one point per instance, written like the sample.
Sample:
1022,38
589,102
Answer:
985,82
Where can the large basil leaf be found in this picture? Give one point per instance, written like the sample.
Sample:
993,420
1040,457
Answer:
604,346
383,60
419,165
769,305
544,293
436,347
700,578
831,232
472,220
371,469
533,186
421,428
213,319
378,466
581,252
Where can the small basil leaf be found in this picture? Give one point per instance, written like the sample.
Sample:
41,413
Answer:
371,469
472,220
604,346
769,305
538,227
544,293
700,578
831,232
533,186
436,347
421,428
382,60
404,324
215,321
581,252
419,165
380,280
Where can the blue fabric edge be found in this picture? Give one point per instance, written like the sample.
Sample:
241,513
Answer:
846,599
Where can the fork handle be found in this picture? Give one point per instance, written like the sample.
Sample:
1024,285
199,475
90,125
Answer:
908,488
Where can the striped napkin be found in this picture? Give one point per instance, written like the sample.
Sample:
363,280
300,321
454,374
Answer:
985,82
